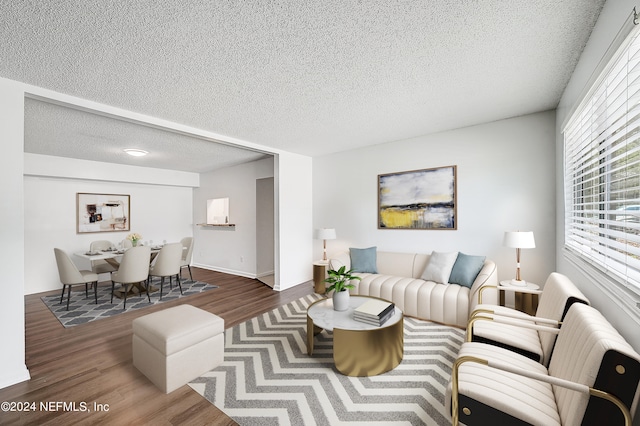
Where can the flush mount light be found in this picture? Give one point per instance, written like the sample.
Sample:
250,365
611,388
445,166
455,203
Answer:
136,152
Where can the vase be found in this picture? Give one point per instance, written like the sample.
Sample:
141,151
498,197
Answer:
340,300
134,243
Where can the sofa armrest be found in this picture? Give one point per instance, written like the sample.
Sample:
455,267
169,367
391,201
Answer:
342,259
488,277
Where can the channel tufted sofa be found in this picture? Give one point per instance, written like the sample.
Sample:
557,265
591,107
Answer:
398,279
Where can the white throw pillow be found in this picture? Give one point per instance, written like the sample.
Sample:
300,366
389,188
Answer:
439,267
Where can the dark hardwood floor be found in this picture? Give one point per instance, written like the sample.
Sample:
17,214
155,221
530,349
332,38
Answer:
92,363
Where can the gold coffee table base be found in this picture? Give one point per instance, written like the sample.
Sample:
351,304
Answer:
368,352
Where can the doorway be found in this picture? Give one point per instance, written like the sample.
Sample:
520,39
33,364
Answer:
265,259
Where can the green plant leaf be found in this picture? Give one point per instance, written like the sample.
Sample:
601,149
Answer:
340,280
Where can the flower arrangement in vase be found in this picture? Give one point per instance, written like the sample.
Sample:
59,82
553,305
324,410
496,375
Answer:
134,238
340,284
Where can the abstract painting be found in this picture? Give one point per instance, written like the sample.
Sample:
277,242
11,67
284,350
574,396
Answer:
102,213
418,199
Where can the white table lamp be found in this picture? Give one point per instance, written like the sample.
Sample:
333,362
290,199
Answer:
519,240
325,234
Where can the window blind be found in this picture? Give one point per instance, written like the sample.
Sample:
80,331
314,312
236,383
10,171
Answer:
602,169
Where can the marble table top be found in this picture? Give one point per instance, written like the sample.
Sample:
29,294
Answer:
323,315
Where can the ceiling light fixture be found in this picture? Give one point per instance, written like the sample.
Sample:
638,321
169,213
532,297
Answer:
136,152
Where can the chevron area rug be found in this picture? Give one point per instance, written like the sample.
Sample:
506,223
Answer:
267,378
83,309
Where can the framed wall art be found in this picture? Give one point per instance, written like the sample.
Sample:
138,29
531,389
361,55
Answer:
102,213
418,199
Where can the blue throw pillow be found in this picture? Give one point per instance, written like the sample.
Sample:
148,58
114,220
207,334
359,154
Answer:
466,269
364,260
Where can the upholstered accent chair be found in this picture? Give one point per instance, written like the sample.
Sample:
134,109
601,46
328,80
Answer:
592,379
508,328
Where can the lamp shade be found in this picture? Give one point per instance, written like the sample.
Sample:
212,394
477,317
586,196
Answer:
325,234
519,239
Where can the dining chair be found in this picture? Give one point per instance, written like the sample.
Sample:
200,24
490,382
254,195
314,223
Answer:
70,276
126,243
167,264
134,269
101,266
187,253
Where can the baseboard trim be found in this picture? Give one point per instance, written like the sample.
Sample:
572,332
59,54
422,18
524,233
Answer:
11,379
225,270
265,274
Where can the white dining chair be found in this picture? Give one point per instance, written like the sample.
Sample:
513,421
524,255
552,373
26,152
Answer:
101,266
133,270
70,276
167,264
126,243
187,253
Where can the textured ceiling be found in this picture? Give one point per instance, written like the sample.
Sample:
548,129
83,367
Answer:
311,77
52,129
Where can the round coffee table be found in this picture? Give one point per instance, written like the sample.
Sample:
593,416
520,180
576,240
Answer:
359,349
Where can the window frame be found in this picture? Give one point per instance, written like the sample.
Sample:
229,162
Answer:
592,244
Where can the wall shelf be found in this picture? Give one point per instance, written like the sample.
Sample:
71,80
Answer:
217,225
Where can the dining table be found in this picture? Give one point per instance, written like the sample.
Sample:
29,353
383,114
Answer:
113,258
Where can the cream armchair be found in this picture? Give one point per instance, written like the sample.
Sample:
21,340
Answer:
592,379
505,327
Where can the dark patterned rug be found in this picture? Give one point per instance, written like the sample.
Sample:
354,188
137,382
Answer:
267,378
83,309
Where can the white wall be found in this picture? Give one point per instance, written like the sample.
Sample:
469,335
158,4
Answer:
69,168
609,23
230,250
234,250
158,212
12,357
505,181
294,224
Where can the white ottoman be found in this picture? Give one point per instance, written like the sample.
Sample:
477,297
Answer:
176,345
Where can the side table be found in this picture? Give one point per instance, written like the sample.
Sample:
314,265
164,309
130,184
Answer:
319,275
526,297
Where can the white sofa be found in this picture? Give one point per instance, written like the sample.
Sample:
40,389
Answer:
398,280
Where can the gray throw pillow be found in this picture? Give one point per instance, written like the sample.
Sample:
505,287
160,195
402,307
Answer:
466,269
439,267
364,260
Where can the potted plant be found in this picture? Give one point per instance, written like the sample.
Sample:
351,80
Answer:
340,284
